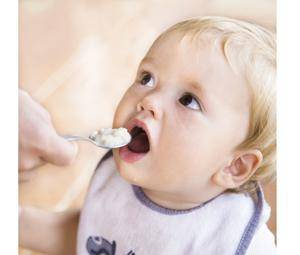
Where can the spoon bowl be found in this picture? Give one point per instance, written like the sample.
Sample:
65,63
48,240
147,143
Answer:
104,138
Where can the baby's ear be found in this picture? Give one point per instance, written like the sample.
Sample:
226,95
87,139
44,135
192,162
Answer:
240,169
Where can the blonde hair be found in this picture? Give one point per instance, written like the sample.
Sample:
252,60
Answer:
251,49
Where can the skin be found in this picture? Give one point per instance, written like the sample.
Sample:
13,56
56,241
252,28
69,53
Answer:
199,137
38,141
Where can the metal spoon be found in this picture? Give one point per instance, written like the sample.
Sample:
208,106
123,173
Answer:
92,139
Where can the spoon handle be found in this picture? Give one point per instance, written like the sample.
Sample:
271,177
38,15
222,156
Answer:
75,138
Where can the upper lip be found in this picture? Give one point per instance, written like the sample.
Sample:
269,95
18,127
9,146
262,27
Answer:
138,123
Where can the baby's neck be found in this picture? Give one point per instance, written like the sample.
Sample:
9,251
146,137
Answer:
175,201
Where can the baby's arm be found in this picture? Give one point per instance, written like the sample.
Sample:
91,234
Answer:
53,233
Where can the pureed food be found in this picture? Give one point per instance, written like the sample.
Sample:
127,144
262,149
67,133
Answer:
113,137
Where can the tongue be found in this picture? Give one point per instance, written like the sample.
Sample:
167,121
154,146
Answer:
139,144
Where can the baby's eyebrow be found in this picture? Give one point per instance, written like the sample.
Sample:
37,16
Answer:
148,61
197,86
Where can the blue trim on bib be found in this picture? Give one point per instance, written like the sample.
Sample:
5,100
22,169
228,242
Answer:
252,225
141,196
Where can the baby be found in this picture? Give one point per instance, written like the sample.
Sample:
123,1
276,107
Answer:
201,114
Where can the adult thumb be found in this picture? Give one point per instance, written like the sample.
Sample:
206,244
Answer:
59,151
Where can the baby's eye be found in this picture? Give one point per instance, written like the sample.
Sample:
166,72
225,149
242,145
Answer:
190,101
147,79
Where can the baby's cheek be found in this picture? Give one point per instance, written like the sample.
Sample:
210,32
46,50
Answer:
121,113
116,119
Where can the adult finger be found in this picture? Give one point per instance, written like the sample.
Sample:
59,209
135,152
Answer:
29,161
26,176
59,151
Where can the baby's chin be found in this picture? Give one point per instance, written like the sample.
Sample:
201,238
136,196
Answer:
122,167
132,173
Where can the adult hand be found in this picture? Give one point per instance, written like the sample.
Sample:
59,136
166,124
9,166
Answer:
38,140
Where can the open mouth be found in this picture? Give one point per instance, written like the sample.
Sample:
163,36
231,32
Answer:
139,145
139,141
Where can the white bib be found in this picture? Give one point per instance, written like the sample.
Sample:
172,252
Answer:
118,219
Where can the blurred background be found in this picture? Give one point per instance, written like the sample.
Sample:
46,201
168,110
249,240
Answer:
77,58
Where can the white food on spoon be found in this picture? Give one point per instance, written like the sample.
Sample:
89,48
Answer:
112,137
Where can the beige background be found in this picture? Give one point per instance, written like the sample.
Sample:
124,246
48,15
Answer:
78,57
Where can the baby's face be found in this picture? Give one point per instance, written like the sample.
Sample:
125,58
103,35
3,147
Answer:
193,110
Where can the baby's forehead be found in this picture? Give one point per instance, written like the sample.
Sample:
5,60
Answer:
169,44
176,48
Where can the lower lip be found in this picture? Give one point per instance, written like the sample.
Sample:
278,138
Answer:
129,156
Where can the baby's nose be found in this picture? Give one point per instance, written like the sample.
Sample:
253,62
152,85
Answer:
150,105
